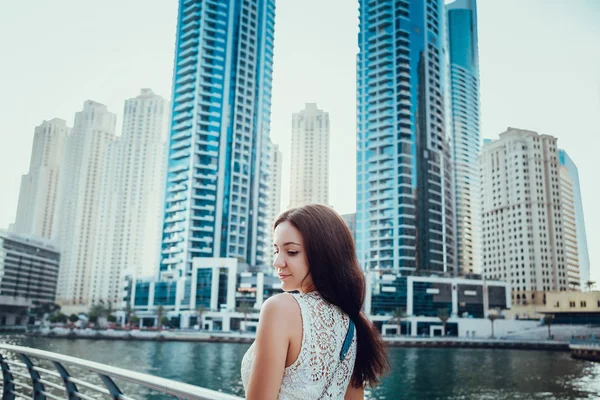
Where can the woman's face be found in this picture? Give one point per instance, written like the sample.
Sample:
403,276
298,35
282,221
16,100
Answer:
290,258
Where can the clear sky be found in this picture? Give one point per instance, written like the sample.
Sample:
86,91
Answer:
539,65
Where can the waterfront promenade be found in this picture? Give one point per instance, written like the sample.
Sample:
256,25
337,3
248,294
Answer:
240,337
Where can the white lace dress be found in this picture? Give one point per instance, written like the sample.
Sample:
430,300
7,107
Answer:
324,329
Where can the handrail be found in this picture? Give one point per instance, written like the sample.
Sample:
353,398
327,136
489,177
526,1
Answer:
106,373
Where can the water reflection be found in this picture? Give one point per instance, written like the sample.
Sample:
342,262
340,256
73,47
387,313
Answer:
416,373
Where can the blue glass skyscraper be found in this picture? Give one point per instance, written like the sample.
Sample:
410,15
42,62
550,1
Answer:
404,218
464,94
217,179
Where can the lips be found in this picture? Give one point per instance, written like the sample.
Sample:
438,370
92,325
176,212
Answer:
282,277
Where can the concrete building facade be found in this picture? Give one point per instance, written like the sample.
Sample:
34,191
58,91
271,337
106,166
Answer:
309,170
582,245
523,235
131,215
83,171
29,276
37,196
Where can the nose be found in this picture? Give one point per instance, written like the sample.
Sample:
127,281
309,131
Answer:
278,262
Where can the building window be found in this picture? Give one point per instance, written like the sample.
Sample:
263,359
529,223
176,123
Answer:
583,304
557,304
571,304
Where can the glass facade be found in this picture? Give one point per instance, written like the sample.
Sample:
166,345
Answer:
388,293
404,219
142,294
216,190
203,288
431,297
470,301
165,293
464,122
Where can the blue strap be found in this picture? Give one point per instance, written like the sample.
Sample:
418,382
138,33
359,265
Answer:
347,341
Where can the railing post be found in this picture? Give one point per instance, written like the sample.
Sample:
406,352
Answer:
112,387
70,387
8,385
38,387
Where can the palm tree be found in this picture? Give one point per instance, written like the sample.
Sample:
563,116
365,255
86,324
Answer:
444,316
397,316
109,309
493,316
128,311
548,318
200,310
590,285
160,311
245,309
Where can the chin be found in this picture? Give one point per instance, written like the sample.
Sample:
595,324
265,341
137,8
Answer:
287,287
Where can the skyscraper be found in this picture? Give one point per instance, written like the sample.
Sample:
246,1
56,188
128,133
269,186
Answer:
132,216
523,239
83,170
37,196
582,246
404,217
309,174
464,93
218,157
276,163
569,227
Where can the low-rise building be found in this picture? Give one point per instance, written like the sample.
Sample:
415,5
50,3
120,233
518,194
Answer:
28,275
573,307
422,300
221,294
226,295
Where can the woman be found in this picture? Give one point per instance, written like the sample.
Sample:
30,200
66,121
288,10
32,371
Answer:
315,342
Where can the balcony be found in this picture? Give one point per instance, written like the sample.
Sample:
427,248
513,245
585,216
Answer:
174,228
182,125
180,154
182,135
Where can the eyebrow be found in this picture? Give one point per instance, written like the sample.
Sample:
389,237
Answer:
286,243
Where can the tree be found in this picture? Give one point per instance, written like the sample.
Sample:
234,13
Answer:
111,318
97,310
548,319
128,311
397,316
590,285
444,316
160,312
493,316
135,320
164,321
73,318
58,317
201,310
245,309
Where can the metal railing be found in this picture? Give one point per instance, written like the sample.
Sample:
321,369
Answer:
23,379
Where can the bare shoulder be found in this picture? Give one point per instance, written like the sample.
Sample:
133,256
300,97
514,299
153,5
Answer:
281,311
280,305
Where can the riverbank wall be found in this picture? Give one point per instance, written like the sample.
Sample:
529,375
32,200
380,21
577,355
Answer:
219,337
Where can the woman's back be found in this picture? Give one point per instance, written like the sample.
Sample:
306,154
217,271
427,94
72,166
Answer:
318,371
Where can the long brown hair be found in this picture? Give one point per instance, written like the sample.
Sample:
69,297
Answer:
338,278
